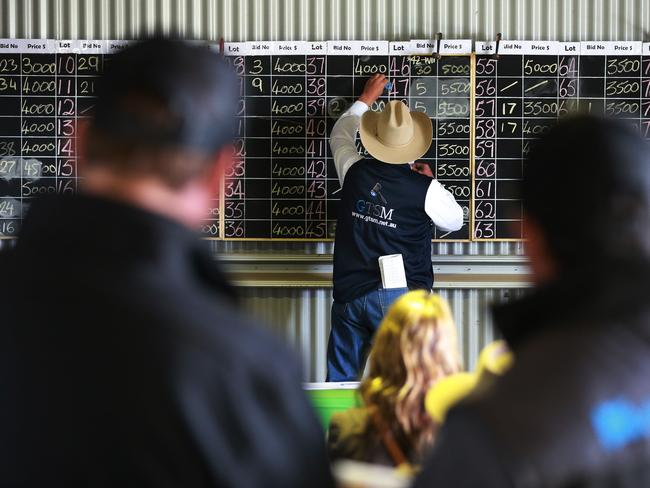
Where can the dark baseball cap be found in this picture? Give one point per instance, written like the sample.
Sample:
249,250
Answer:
167,93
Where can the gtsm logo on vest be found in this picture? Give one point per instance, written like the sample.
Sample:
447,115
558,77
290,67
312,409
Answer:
374,210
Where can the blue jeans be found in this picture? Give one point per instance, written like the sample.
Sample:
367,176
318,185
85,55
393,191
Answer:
353,327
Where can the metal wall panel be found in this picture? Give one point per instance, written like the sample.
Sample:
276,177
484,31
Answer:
302,318
565,20
302,315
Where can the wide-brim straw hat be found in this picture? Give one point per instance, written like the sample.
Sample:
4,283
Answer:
396,135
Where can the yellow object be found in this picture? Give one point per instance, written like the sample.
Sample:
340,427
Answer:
447,392
495,358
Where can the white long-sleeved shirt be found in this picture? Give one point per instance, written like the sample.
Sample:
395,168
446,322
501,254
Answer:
440,205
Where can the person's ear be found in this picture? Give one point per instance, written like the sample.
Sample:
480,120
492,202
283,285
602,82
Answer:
221,161
542,264
81,132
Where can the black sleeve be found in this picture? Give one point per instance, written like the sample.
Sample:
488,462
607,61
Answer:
252,422
297,420
463,456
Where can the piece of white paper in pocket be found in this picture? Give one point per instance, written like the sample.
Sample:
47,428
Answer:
392,271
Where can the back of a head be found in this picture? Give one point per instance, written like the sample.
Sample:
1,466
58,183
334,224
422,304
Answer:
587,187
414,347
164,108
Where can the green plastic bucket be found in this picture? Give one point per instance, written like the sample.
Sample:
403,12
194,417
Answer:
329,398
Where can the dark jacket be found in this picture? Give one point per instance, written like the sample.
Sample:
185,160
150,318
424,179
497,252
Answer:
123,362
573,410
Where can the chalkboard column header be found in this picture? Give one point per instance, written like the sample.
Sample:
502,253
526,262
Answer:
427,47
355,48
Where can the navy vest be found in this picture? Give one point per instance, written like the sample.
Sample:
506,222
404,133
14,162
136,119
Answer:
381,212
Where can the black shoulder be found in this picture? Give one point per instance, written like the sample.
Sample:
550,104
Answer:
464,455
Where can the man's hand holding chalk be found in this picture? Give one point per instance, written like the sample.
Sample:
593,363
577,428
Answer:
374,88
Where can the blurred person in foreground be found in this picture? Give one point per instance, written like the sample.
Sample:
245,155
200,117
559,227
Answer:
123,361
573,409
414,348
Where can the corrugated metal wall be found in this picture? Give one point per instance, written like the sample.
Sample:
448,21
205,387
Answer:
302,315
240,20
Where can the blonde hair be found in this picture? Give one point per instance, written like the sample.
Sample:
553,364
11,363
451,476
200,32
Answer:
415,346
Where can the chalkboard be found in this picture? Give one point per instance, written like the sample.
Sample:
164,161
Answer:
522,93
486,113
283,184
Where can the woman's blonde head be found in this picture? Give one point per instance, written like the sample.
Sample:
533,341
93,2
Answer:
414,347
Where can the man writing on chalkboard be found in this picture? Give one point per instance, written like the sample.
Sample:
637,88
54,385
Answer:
123,360
388,202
